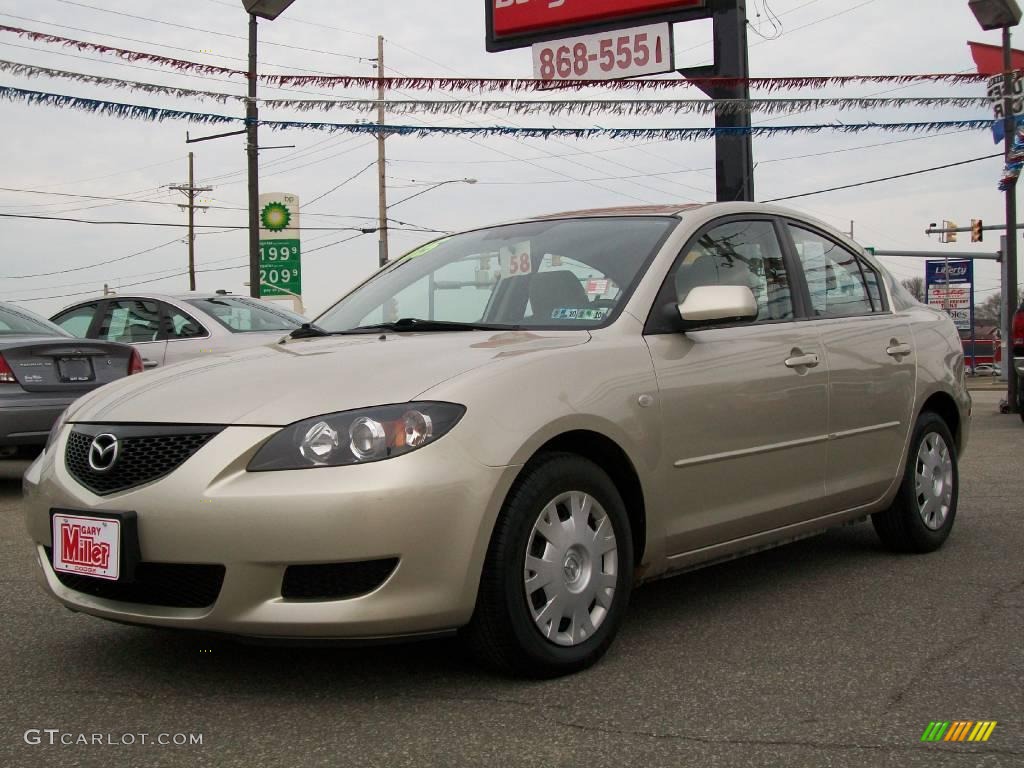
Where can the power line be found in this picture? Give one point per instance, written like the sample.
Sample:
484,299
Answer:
884,178
208,31
92,266
224,227
354,176
130,285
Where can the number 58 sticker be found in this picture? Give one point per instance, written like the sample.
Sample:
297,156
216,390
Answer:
516,260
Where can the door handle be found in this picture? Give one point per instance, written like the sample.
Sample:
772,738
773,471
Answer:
802,361
147,363
897,349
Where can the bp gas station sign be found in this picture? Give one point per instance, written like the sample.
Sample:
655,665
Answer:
280,246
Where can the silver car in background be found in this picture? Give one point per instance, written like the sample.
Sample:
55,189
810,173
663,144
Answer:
167,329
43,369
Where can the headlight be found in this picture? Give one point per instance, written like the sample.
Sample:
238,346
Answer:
356,437
58,425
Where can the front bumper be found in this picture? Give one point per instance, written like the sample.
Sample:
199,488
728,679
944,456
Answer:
433,509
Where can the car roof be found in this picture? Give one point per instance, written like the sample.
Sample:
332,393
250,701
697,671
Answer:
172,297
666,209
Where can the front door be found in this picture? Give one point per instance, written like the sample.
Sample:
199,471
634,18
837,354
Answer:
744,407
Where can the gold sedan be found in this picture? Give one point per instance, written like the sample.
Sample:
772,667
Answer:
505,431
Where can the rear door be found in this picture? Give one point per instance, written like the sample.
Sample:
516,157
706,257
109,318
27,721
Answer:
744,407
871,362
186,337
135,322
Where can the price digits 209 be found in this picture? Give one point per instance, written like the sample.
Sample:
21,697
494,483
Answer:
276,276
621,53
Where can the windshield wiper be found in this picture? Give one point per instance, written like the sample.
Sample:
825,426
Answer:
410,324
307,331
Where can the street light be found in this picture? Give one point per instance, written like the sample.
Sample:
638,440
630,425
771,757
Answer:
995,14
270,10
1003,14
434,186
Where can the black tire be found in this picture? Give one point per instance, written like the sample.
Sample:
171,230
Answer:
502,631
901,527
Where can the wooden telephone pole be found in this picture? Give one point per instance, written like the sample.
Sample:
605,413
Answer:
191,190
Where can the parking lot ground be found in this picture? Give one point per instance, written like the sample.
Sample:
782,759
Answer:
827,652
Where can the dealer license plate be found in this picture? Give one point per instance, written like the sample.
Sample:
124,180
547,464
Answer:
75,369
88,546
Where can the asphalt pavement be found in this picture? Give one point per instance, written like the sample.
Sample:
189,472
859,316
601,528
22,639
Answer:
827,652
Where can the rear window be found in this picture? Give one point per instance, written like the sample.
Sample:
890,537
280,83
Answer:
16,322
242,315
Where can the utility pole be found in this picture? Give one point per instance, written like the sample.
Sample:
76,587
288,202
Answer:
382,187
252,147
191,190
1010,267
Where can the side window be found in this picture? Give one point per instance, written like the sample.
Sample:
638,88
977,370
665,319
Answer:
77,321
178,325
131,321
740,253
834,276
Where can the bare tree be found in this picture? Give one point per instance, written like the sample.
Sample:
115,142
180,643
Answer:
990,310
915,285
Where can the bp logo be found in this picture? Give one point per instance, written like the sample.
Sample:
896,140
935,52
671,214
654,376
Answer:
275,217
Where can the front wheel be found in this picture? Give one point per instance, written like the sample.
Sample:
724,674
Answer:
558,573
922,514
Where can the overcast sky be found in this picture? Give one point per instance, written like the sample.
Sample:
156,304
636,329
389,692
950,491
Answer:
61,150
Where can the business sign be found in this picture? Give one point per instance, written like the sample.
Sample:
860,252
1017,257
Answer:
280,246
521,23
950,286
645,50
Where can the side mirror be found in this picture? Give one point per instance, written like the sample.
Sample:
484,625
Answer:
710,305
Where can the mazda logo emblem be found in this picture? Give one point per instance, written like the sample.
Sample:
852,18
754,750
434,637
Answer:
103,452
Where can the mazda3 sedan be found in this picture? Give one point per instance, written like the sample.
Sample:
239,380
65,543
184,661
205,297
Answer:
505,431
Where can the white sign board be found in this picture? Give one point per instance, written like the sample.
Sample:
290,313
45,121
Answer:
621,53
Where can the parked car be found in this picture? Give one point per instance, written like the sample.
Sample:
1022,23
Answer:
507,430
169,329
43,369
983,369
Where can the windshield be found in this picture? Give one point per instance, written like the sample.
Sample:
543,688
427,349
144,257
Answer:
570,273
241,315
18,321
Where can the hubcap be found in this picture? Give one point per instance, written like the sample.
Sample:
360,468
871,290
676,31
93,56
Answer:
934,481
571,568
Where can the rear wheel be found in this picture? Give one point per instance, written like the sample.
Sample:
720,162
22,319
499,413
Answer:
559,571
922,514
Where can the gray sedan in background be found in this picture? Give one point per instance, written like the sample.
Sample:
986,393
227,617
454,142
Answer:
43,369
168,329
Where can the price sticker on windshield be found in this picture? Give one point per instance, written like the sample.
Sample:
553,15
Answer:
645,50
516,260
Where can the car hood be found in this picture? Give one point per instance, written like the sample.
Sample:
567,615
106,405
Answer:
283,383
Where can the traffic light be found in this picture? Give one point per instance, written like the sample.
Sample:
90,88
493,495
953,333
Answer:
951,236
977,231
